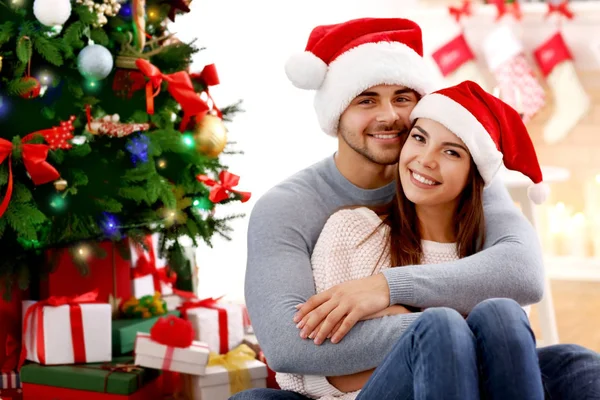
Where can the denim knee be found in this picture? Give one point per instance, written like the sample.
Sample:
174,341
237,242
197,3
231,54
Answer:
497,308
441,320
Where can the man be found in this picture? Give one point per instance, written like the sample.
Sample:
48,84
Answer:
368,75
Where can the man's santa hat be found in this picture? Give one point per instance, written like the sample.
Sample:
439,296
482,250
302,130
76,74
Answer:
491,129
343,60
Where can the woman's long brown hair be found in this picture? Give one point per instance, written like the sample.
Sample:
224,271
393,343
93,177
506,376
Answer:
404,238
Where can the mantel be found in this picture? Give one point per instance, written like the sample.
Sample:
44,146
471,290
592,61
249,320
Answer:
582,33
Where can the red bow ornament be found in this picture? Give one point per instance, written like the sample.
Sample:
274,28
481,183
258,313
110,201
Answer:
208,77
503,9
561,8
36,313
220,190
34,158
459,12
179,85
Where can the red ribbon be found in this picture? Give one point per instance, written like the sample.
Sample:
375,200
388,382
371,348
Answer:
179,85
208,77
76,318
561,8
220,190
503,9
211,303
146,265
459,12
34,158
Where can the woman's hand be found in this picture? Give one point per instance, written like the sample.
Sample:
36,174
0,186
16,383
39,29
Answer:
342,306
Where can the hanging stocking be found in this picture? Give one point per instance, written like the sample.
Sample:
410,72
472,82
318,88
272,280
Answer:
457,62
514,75
570,99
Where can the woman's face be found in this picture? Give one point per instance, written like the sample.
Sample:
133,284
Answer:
434,165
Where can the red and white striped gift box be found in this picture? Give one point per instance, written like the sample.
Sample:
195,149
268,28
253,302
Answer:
10,380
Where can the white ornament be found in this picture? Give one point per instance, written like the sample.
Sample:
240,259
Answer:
52,12
95,62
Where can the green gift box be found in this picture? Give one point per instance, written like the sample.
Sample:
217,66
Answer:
105,377
124,332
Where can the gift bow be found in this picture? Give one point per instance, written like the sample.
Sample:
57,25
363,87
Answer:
146,265
206,303
79,353
235,364
180,86
220,190
125,368
34,158
463,10
504,8
561,8
208,77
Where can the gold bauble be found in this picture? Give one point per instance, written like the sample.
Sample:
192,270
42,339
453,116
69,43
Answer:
60,185
210,135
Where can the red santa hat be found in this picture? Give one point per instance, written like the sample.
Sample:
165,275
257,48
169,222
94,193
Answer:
342,60
491,129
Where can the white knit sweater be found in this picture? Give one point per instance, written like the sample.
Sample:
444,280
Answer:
342,254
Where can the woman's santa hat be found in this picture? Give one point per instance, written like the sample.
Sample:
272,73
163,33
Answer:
343,60
492,130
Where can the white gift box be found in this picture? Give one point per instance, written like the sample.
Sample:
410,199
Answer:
206,324
144,286
58,340
189,360
214,384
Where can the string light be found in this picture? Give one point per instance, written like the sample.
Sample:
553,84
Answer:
161,163
188,140
83,252
57,202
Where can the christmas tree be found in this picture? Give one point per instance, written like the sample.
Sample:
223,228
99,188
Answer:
104,131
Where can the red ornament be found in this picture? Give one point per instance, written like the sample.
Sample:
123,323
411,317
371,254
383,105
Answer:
172,331
33,92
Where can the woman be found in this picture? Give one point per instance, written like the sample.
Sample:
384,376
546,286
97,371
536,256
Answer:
451,153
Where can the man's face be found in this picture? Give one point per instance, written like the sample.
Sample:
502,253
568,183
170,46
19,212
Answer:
373,124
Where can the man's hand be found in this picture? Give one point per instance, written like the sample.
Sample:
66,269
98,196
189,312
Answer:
341,307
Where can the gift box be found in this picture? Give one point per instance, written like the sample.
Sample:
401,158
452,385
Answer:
10,380
189,360
110,275
11,394
10,326
219,325
124,332
219,383
118,379
31,391
67,330
150,271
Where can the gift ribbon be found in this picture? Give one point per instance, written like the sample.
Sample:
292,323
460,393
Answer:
235,364
76,318
34,158
459,12
126,368
146,265
222,315
503,9
561,8
179,85
221,189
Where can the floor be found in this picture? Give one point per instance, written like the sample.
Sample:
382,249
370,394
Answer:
577,307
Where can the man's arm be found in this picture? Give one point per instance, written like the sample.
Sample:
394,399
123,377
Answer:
510,266
279,276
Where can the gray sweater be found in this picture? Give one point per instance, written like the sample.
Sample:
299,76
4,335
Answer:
284,226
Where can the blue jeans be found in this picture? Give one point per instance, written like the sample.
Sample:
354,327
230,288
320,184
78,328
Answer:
490,355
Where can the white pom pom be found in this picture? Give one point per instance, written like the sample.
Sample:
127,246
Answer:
538,192
52,12
306,71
